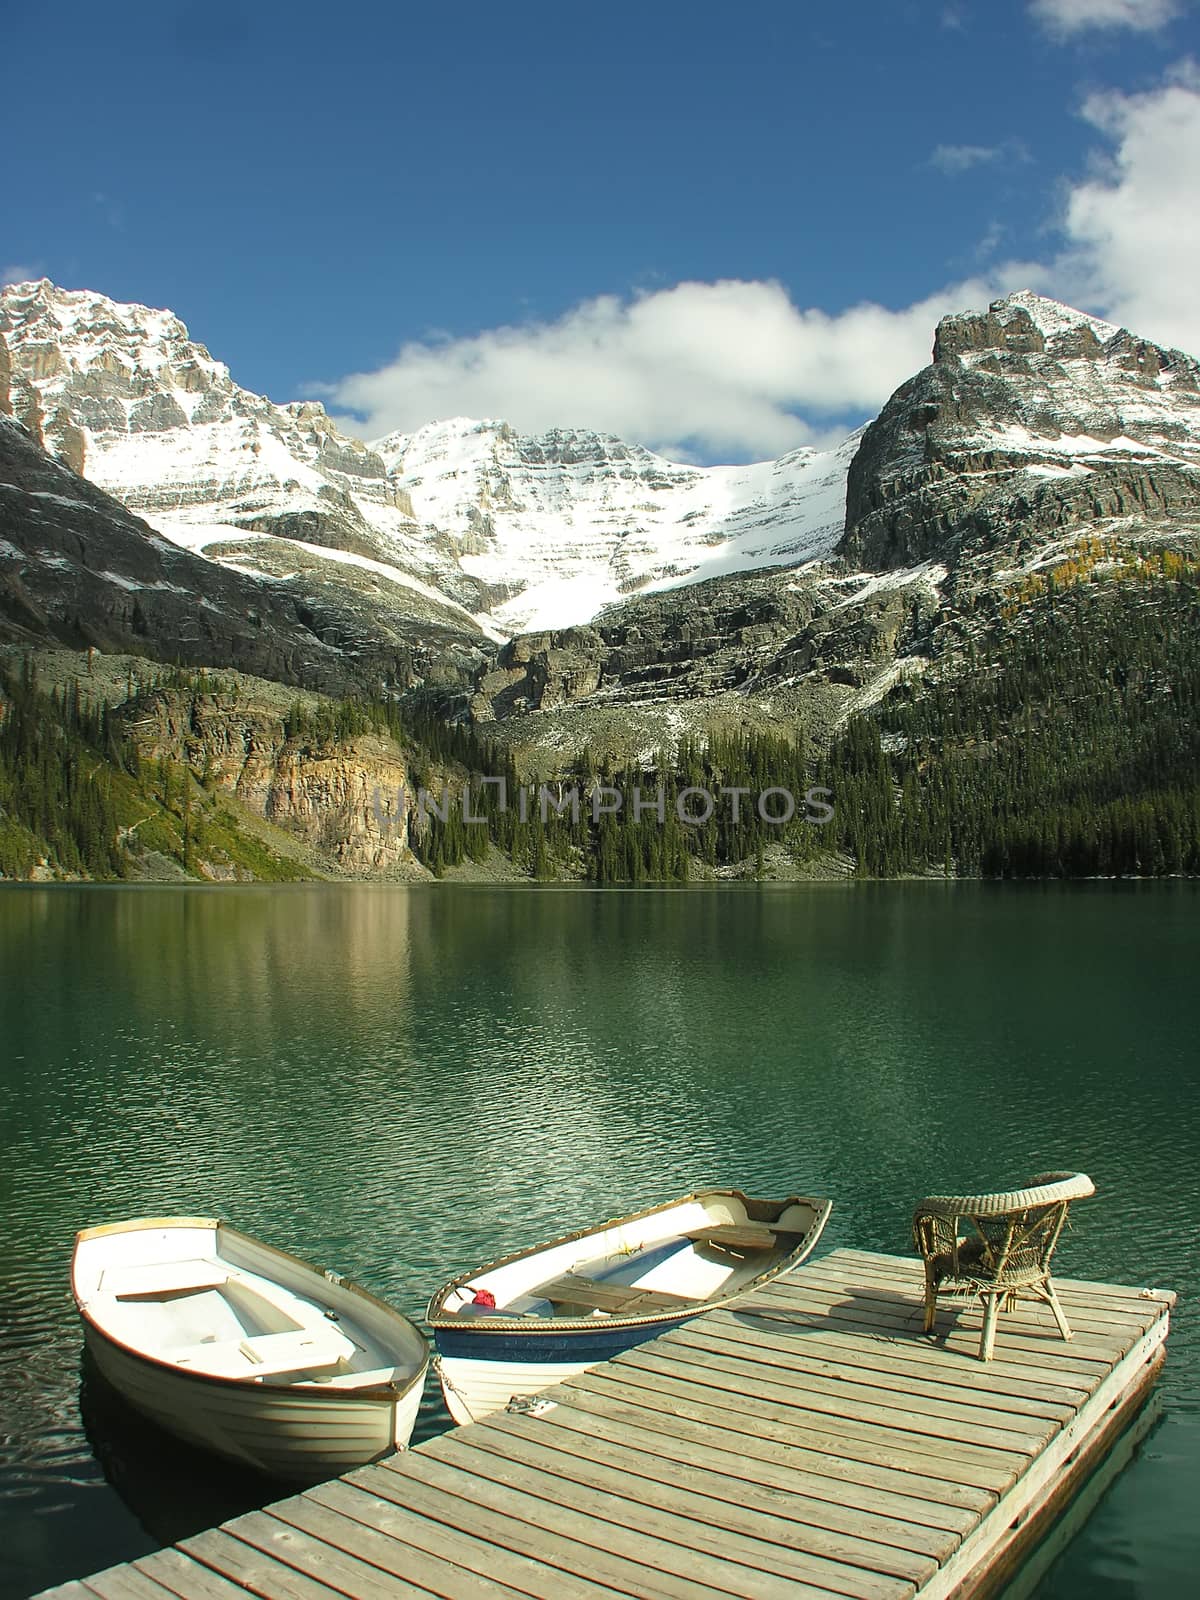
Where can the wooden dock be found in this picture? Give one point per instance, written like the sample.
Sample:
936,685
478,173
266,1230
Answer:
811,1442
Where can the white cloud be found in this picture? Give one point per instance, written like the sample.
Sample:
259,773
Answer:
16,274
1067,17
1132,227
720,369
955,158
734,369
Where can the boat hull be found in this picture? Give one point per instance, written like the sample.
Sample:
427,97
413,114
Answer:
482,1371
287,1432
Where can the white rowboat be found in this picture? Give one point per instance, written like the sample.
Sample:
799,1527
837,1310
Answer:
540,1317
244,1350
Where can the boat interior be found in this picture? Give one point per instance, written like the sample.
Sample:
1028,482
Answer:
183,1296
708,1247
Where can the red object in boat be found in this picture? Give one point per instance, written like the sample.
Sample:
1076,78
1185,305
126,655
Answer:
485,1298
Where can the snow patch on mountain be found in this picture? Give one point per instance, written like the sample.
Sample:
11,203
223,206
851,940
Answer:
1052,317
167,431
1094,394
578,520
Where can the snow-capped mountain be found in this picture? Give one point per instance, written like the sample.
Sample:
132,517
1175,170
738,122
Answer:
1026,402
1078,390
1041,449
522,532
124,396
573,521
469,525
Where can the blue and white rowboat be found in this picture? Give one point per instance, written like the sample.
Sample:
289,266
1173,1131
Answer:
541,1316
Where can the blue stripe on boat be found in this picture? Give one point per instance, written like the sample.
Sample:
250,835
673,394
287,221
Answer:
542,1343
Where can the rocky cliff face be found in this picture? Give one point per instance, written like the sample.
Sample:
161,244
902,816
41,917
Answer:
750,650
78,568
351,801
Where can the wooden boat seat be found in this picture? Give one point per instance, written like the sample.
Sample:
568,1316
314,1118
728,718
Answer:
266,1354
156,1279
305,1314
737,1236
616,1298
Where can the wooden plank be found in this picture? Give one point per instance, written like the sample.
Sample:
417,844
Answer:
956,1336
1045,1346
371,1544
872,1367
698,1538
1009,1430
560,1554
788,1468
940,1421
185,1578
124,1583
1085,1302
976,1465
521,1573
1117,1291
873,1262
697,1487
251,1570
1020,1569
71,1590
574,1289
1030,1316
454,1497
313,1558
745,1236
1091,1311
966,1571
924,1360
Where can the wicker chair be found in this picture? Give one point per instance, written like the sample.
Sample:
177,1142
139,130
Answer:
1003,1253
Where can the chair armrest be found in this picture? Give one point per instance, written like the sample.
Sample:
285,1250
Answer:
934,1232
1051,1188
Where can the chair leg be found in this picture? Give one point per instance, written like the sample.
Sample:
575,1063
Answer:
930,1297
987,1342
1064,1327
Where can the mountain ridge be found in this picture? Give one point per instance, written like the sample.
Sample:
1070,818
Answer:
990,656
470,509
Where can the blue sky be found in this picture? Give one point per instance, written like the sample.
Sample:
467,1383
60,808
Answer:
312,188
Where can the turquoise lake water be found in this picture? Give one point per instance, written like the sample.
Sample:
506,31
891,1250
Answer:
402,1082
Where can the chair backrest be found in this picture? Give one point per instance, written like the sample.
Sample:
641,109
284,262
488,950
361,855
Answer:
1011,1234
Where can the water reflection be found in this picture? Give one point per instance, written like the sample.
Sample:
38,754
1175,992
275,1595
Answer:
170,1489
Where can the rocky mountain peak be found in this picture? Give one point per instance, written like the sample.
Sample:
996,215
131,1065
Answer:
1027,401
124,394
1023,323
